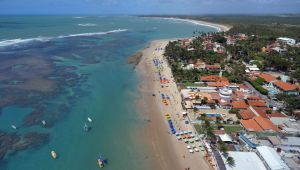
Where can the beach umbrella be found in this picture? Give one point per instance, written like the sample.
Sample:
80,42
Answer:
178,137
185,141
197,139
189,147
185,132
196,150
191,151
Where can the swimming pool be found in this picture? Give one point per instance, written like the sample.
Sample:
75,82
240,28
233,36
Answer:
213,115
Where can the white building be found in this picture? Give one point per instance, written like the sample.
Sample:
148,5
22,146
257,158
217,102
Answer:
245,161
271,158
288,41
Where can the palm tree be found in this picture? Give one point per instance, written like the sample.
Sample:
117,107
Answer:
230,161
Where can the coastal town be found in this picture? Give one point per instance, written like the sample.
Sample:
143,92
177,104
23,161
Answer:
230,99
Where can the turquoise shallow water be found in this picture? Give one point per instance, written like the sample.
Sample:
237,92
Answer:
87,63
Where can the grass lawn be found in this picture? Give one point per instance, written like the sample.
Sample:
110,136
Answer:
199,129
232,128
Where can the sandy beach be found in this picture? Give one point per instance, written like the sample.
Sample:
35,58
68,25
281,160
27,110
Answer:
168,152
218,26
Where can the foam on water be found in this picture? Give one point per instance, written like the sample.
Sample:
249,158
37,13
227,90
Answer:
87,25
18,41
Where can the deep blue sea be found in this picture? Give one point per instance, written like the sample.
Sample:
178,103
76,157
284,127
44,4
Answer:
64,69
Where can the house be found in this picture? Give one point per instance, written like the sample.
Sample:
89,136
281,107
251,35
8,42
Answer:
251,125
250,69
265,124
213,78
283,141
286,88
240,104
279,50
288,41
257,103
215,67
247,114
267,77
259,124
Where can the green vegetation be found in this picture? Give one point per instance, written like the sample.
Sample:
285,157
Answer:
267,25
230,161
257,84
292,102
232,128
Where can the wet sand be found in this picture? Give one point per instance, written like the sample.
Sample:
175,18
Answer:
166,151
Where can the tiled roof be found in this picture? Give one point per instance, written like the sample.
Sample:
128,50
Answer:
247,114
257,103
213,78
267,77
276,114
251,125
215,66
240,104
218,84
253,97
284,86
261,111
265,124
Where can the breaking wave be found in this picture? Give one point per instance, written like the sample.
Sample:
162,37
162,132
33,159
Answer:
18,41
87,25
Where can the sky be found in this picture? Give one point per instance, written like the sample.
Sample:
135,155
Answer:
106,7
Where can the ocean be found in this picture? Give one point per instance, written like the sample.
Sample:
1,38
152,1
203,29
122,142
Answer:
64,69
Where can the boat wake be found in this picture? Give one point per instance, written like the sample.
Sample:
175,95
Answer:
18,41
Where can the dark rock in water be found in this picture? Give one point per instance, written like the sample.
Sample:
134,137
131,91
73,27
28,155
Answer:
31,140
135,58
11,143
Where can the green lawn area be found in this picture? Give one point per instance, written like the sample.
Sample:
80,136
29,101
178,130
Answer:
232,128
199,129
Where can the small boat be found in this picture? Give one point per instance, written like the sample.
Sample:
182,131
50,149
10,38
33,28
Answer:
89,119
101,161
43,122
86,127
53,154
14,126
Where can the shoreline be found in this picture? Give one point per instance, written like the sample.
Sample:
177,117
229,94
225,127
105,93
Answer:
219,27
165,151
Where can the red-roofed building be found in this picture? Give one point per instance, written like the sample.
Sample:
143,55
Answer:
212,78
257,103
215,67
240,104
265,124
251,125
267,77
253,97
276,114
247,114
286,88
260,111
218,84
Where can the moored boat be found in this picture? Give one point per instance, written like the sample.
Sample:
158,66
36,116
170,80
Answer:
89,119
13,126
53,154
86,127
101,161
